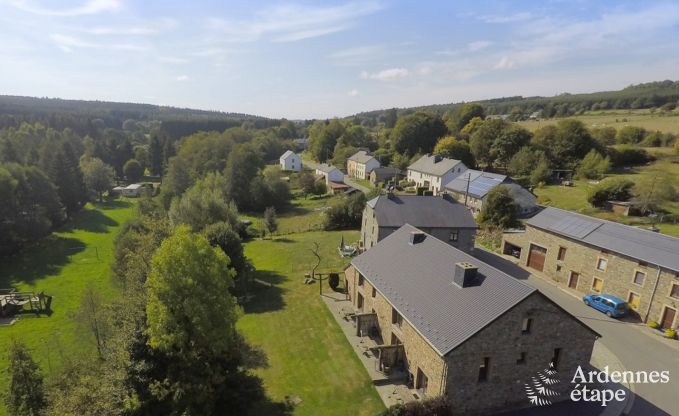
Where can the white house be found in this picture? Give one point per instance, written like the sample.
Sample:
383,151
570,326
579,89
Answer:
330,173
360,164
434,172
291,161
133,191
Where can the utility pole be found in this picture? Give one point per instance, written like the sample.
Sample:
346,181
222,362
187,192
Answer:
466,194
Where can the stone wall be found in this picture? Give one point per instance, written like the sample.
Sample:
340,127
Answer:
618,278
503,342
418,353
456,375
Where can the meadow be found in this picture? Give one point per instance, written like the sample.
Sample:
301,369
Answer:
618,118
63,265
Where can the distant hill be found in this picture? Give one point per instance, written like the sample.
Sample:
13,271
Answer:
647,95
79,115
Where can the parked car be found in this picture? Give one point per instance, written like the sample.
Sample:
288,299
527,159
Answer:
610,305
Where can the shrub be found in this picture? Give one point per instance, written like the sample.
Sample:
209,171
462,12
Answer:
593,166
333,280
437,406
630,135
653,324
627,155
610,190
671,333
499,210
345,213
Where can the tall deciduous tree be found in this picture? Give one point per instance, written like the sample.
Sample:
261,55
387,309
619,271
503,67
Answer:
26,395
499,210
191,319
270,220
417,133
98,176
133,170
452,148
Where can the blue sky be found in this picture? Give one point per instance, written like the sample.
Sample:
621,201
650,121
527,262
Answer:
321,59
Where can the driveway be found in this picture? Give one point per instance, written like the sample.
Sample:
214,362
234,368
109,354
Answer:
347,180
633,344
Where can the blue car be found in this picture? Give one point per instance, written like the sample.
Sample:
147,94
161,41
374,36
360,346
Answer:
610,305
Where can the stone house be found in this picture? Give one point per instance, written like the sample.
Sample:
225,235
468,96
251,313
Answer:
360,164
290,161
459,327
472,187
439,216
433,172
586,255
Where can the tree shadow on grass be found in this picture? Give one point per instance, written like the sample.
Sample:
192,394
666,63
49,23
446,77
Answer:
43,259
91,220
112,204
266,295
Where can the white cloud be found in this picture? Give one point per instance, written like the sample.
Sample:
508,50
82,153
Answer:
182,78
387,75
510,18
172,60
69,43
87,8
478,45
505,63
149,28
290,23
353,93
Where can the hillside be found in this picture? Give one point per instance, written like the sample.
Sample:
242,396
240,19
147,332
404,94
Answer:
658,94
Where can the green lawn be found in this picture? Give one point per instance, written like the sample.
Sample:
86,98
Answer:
574,198
618,119
302,215
308,356
62,266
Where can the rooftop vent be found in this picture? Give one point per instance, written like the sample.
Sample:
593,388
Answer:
416,237
465,273
438,158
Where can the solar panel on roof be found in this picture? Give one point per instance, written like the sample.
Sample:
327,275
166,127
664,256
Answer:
575,227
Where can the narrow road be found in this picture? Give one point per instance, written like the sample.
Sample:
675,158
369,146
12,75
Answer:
347,180
633,344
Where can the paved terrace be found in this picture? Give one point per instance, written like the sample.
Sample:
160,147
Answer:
392,388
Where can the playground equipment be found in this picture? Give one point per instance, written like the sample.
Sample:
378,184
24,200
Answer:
13,302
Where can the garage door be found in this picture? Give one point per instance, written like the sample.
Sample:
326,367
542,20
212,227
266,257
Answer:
536,257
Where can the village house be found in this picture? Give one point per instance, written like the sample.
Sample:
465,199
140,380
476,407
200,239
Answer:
590,255
384,174
459,327
360,164
472,187
329,173
439,216
291,161
433,172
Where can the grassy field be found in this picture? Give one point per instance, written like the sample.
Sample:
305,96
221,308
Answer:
62,265
575,198
618,119
308,356
302,215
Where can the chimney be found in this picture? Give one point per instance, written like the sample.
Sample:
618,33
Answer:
416,237
465,273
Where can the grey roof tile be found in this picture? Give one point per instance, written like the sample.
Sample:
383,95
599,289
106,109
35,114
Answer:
434,165
361,157
653,248
417,279
421,211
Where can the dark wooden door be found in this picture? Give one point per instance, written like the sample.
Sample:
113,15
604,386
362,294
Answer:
573,281
422,381
536,257
667,318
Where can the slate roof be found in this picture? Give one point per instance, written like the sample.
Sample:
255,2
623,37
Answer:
480,183
417,280
361,157
650,247
421,211
287,154
428,164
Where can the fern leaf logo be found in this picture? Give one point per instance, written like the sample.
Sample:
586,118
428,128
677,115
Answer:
539,389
